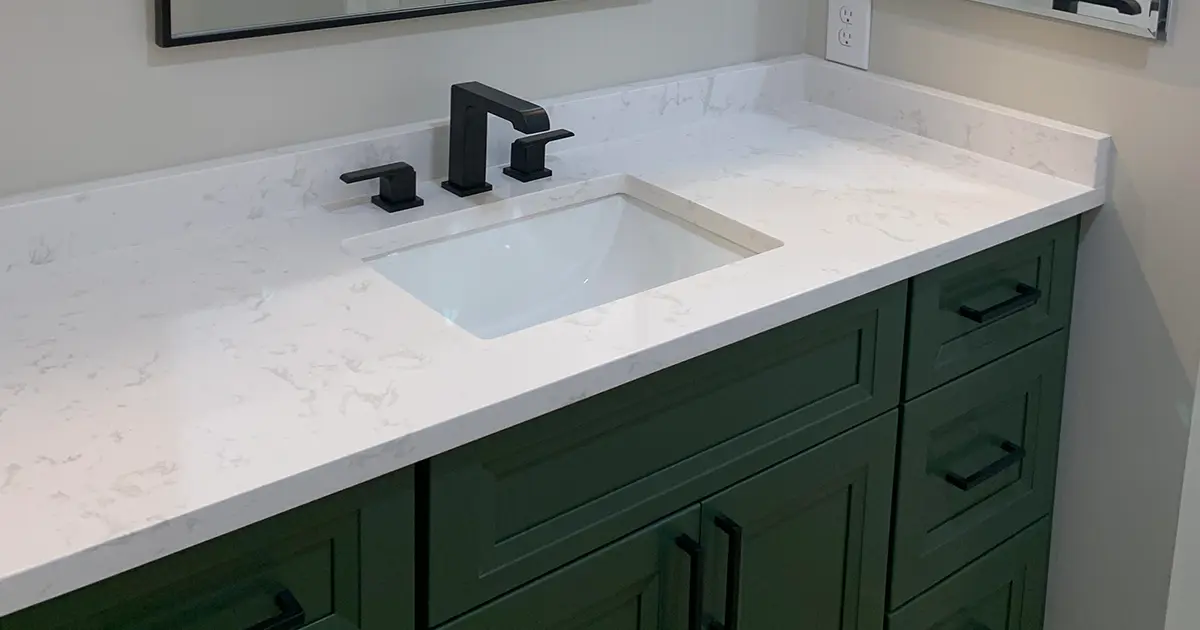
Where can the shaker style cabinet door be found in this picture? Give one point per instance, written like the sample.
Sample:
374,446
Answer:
804,544
517,505
646,581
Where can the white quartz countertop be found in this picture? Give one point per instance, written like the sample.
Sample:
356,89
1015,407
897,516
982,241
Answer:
163,392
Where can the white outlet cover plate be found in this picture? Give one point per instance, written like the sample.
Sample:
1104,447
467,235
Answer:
848,32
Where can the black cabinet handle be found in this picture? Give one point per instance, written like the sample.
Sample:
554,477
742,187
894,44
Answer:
290,617
1012,455
695,579
975,625
733,574
1026,296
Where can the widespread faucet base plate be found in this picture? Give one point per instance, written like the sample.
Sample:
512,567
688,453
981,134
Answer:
466,192
522,176
415,202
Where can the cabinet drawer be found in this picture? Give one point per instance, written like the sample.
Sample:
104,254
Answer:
978,461
312,576
1021,290
303,566
1004,590
518,504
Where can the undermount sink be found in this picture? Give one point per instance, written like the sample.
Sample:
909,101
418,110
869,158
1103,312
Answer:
512,264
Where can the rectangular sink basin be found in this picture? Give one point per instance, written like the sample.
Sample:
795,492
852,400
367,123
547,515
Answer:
509,265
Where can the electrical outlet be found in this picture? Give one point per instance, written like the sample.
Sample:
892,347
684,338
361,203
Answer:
848,32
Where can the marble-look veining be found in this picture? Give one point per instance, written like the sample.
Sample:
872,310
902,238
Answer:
189,352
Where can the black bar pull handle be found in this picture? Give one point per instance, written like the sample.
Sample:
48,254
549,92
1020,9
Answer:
1012,455
975,625
1026,296
290,617
695,578
733,573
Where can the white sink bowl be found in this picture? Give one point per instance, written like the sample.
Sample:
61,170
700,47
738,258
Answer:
509,265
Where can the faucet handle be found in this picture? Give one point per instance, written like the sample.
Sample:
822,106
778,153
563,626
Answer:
529,155
397,185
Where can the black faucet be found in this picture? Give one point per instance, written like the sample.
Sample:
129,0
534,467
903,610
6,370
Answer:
470,104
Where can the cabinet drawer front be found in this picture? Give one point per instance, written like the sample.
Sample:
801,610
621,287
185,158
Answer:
518,504
639,583
234,582
812,534
1004,590
977,464
1021,290
314,575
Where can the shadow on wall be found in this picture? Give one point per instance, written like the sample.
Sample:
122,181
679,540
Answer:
347,35
1124,445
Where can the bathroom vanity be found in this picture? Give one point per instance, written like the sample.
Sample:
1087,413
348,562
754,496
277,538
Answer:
823,474
845,419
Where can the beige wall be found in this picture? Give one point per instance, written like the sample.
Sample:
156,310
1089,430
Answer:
84,94
1137,322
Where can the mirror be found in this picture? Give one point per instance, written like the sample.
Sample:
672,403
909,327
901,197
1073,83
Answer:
184,22
1145,18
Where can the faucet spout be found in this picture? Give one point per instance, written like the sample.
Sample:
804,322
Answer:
470,104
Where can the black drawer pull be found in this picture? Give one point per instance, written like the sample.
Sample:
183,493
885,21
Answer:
290,617
733,574
695,579
1026,296
1012,455
975,625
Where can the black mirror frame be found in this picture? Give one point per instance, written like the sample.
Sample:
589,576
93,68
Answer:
164,37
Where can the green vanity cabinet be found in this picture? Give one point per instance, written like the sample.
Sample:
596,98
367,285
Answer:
886,463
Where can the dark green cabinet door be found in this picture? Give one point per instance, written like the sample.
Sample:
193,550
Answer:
517,505
638,583
814,537
1004,590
